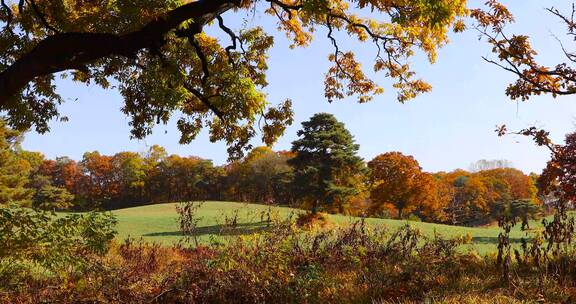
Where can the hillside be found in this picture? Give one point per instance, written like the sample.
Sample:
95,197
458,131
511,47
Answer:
158,223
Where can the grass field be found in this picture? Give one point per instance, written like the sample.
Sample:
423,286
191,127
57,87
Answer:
158,223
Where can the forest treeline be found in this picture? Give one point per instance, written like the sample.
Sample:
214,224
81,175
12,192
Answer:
391,185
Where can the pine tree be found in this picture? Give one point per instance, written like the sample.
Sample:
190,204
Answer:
327,170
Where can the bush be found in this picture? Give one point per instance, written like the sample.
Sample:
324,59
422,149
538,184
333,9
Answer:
39,242
413,218
310,220
287,264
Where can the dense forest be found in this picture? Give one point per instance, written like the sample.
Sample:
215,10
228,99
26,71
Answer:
391,185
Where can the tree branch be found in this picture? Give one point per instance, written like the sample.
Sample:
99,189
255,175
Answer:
233,37
337,50
42,17
65,51
201,56
206,101
9,14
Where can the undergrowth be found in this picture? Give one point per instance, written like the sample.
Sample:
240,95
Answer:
288,264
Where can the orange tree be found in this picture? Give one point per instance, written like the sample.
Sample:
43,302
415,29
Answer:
515,184
558,179
159,56
397,179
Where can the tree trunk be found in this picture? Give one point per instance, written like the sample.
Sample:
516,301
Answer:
314,209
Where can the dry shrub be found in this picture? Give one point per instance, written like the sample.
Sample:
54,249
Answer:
286,264
310,220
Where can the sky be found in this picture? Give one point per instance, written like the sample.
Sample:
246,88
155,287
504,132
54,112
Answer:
449,128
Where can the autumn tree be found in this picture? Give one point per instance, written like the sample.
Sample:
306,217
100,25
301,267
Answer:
516,55
470,203
163,62
261,176
559,176
432,205
98,183
516,185
183,178
481,197
130,175
398,180
485,164
327,170
14,170
46,194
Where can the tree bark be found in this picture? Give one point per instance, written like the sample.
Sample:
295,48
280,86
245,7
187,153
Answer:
65,51
314,209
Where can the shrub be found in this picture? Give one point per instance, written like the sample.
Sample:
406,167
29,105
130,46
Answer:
309,220
286,264
42,242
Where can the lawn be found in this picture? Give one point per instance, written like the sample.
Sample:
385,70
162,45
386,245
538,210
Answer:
158,223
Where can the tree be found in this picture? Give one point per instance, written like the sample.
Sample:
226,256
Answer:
470,204
129,173
516,55
432,205
261,175
327,170
52,198
184,178
559,176
159,56
521,209
41,180
484,164
517,185
397,179
14,170
481,197
98,183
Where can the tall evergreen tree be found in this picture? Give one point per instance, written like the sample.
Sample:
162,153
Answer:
327,170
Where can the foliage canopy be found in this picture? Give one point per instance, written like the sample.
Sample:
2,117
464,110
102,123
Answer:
158,55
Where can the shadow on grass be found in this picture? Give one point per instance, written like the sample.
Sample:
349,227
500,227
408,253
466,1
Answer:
493,240
240,229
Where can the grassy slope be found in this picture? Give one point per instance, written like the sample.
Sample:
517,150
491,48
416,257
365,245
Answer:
158,223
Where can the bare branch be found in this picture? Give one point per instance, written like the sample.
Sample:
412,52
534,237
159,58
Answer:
233,37
569,21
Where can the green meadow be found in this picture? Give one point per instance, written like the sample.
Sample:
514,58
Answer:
159,224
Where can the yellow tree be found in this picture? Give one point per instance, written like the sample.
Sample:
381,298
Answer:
159,56
14,170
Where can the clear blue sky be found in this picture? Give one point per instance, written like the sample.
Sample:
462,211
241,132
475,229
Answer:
448,128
